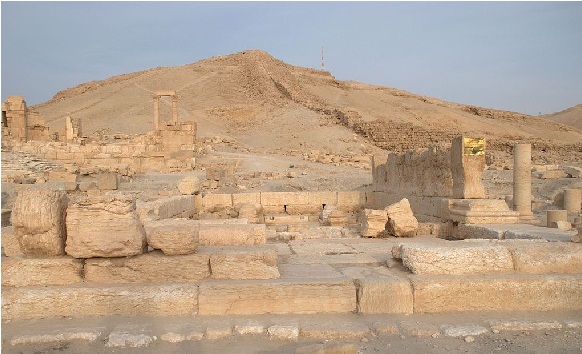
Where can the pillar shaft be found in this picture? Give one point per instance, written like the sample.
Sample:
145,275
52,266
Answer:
174,110
522,180
156,113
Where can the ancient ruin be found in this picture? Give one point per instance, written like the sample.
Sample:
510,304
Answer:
170,223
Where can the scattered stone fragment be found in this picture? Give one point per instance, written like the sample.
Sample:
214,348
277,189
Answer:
464,331
401,220
288,332
130,336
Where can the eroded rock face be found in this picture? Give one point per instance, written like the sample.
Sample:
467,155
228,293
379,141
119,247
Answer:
401,220
104,226
38,218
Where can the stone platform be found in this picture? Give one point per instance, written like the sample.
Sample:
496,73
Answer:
512,231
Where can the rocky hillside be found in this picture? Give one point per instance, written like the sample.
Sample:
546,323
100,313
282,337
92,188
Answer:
265,103
571,116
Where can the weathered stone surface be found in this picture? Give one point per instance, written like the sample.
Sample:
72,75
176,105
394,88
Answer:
277,297
334,330
384,295
105,226
288,332
456,259
38,218
59,335
464,330
10,243
165,208
249,327
482,211
401,220
107,181
232,235
373,222
18,271
55,301
240,263
177,333
351,200
189,185
173,236
497,293
547,257
251,212
130,336
146,268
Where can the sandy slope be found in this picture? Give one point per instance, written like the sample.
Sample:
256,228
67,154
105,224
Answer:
571,116
265,103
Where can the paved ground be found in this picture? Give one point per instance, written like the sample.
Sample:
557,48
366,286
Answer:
549,332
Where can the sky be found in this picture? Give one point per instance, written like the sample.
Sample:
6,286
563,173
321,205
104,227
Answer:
518,56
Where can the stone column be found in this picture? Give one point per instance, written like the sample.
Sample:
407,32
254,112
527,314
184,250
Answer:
467,165
572,200
174,110
522,180
156,112
553,216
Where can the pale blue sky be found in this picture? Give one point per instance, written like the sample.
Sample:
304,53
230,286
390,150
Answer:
518,56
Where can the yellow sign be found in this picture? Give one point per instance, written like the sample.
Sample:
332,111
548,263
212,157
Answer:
473,146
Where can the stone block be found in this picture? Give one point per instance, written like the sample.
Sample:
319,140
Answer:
511,292
166,208
573,171
547,258
384,295
173,236
232,235
287,332
456,259
38,218
373,222
107,300
303,209
210,201
17,272
401,221
482,211
244,263
107,181
152,267
351,201
10,244
105,226
189,185
246,198
277,297
322,197
283,198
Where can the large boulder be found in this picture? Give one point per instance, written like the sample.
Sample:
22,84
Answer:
38,218
104,226
401,220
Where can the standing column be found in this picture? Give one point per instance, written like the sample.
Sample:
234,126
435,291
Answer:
522,180
175,110
156,112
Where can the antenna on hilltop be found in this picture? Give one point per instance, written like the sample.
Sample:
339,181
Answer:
322,64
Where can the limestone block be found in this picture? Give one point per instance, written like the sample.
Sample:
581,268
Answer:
61,176
107,181
384,295
252,212
322,197
303,209
18,271
373,222
516,292
189,185
551,174
173,236
147,268
283,198
351,201
277,297
244,263
246,198
38,218
232,235
167,207
10,244
401,220
547,258
93,300
450,259
106,226
210,201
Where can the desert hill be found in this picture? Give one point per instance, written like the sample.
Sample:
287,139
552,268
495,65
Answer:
264,103
571,116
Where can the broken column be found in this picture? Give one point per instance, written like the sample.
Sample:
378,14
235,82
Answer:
572,200
557,219
522,180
